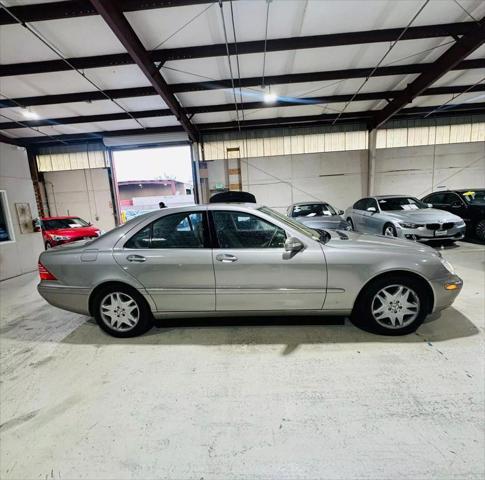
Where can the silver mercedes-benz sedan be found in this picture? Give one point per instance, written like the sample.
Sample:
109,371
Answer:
404,217
244,259
318,215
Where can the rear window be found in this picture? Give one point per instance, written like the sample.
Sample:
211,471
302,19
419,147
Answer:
57,223
313,210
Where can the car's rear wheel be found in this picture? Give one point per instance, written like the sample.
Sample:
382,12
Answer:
122,312
351,223
480,230
392,305
389,230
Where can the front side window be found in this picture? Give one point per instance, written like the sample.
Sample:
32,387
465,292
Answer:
243,230
313,210
434,198
452,198
180,230
401,203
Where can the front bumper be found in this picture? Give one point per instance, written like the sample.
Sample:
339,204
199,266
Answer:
423,234
446,290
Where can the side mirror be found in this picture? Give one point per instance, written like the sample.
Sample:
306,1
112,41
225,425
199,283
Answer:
341,212
372,209
293,245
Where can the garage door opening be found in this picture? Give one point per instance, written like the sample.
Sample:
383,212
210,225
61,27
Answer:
145,177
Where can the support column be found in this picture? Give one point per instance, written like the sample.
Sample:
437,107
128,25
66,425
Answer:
371,162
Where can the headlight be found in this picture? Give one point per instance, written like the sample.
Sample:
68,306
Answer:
410,225
447,265
57,238
460,224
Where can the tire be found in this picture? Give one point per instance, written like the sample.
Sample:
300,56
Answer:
480,230
47,245
389,230
374,315
351,223
132,316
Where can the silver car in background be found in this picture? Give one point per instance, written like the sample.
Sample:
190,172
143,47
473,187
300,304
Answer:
244,259
319,215
404,217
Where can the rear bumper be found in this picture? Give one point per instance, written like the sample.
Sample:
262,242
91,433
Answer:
73,299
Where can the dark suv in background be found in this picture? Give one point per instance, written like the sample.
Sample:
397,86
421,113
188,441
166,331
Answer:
468,204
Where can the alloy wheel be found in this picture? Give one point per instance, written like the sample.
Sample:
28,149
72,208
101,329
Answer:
119,311
395,306
390,231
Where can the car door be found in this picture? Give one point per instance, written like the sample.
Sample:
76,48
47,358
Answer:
372,220
253,270
454,204
358,214
171,257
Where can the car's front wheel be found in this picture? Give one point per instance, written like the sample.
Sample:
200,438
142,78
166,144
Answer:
389,230
392,305
351,223
480,230
122,312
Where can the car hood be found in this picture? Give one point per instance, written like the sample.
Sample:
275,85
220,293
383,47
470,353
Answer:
74,232
377,243
334,221
425,215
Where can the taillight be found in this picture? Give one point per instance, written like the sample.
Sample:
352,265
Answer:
44,273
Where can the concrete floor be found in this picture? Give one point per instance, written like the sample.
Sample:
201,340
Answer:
242,402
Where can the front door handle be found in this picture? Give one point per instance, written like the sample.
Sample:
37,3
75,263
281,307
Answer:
226,258
136,258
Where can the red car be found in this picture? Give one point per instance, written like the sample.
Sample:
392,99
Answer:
59,230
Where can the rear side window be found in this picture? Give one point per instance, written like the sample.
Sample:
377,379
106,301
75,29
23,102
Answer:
434,198
180,230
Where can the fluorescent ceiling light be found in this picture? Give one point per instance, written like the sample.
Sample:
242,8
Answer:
270,97
30,114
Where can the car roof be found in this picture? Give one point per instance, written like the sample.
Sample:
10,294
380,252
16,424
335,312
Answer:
391,196
59,218
459,190
309,202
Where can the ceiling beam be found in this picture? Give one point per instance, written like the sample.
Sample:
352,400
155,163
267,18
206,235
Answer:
463,47
83,8
309,120
229,107
11,141
226,83
258,46
120,26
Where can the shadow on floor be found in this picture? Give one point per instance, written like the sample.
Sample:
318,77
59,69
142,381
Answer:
290,331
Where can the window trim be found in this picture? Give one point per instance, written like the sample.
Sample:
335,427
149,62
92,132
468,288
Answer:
215,240
8,218
206,234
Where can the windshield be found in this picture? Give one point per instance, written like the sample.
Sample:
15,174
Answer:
319,235
54,224
474,197
313,210
401,203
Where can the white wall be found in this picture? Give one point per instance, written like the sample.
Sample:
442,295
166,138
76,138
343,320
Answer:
419,170
84,193
21,255
336,177
341,177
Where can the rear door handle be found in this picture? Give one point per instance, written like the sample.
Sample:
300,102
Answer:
226,258
136,258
